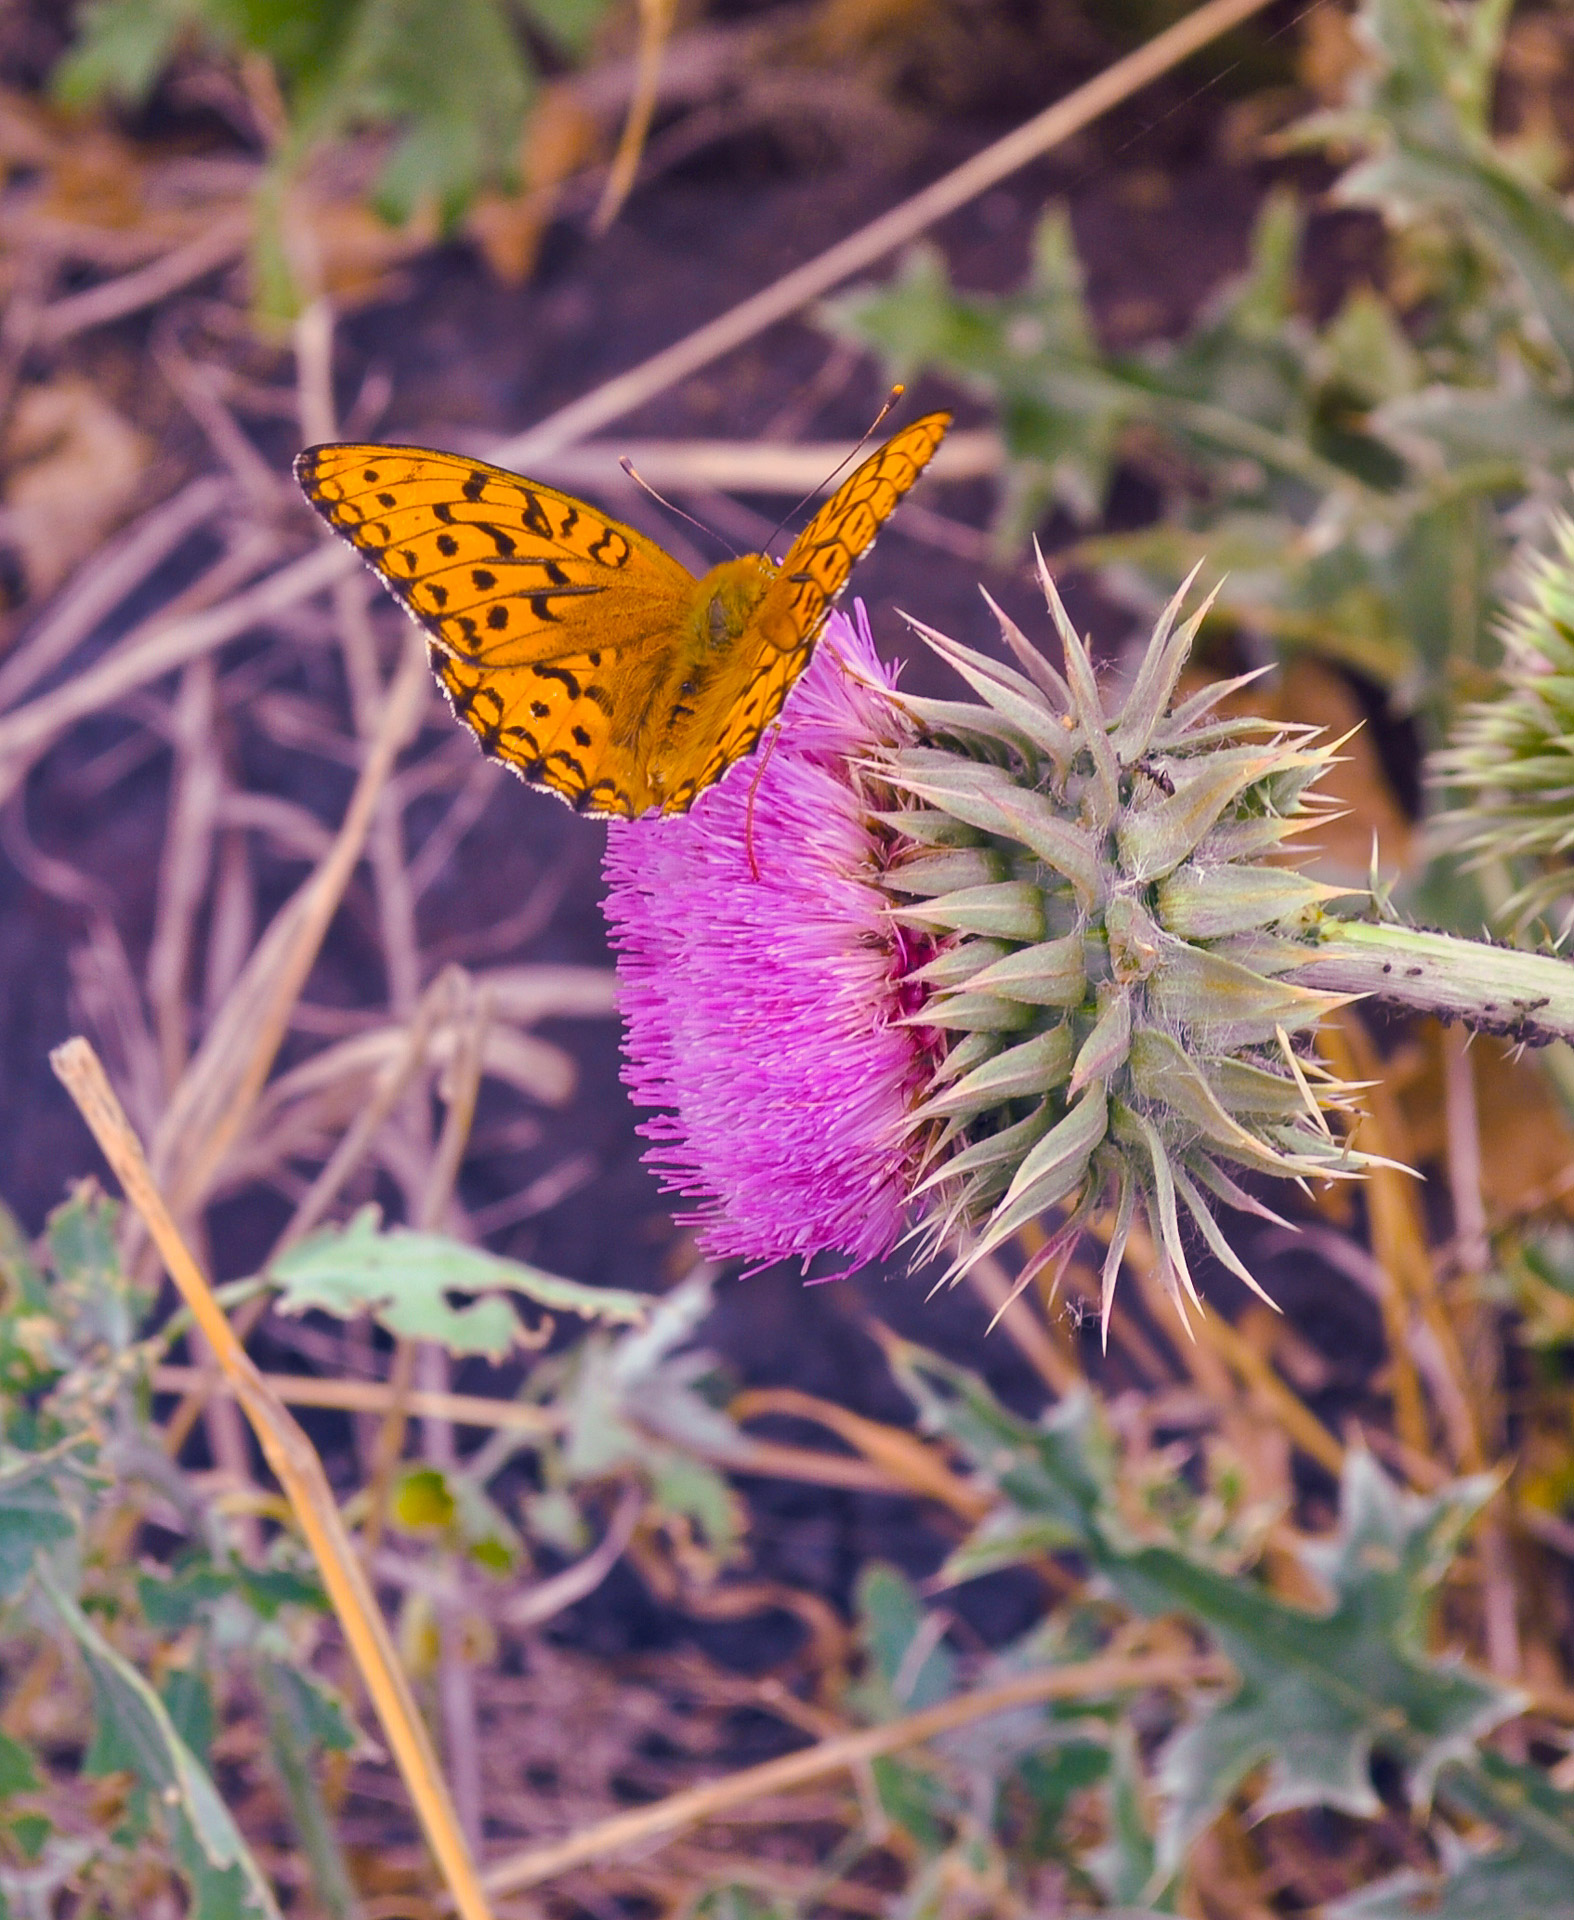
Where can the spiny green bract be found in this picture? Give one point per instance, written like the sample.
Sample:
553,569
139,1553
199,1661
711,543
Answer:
1109,936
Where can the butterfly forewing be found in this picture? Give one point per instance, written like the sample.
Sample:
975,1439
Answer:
781,637
559,634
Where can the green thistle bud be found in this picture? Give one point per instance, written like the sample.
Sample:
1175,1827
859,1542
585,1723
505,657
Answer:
1513,758
1111,950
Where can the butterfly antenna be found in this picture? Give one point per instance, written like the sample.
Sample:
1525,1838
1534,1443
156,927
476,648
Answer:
662,501
867,435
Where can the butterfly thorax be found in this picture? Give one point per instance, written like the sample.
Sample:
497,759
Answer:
707,672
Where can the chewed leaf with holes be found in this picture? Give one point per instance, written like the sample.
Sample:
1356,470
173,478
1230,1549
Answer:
405,1279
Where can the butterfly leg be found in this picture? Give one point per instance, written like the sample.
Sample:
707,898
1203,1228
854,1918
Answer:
754,787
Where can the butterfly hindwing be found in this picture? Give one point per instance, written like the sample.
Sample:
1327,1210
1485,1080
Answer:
548,618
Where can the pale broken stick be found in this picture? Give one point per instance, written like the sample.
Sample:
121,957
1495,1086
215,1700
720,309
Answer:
299,1472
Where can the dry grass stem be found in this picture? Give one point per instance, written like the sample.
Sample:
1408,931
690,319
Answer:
30,730
656,19
224,241
118,570
1017,1314
299,1472
220,1088
763,1459
1087,1680
748,466
784,297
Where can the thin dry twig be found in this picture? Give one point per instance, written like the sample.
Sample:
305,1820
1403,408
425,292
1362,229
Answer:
795,290
299,1472
796,468
32,729
219,1089
762,1459
117,570
656,19
1088,1679
224,241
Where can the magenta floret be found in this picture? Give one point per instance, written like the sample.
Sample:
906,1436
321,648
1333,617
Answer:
761,1013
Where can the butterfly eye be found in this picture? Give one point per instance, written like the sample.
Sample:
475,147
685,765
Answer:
716,615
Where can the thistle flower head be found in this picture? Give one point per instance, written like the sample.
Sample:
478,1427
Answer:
1002,958
763,984
1512,759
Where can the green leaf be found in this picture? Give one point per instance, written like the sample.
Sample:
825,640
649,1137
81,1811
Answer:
682,1484
36,1508
453,74
133,1730
735,1901
17,1772
121,48
1317,1693
188,1700
1529,1873
907,1665
404,1278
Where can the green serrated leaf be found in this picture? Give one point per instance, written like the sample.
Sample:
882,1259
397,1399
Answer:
403,1279
1318,1693
37,1508
891,1619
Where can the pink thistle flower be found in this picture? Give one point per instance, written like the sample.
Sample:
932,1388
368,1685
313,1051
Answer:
763,983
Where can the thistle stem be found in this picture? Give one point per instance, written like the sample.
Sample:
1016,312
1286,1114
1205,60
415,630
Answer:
1527,996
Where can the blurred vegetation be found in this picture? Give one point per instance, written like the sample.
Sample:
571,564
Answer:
1363,1525
453,82
1359,481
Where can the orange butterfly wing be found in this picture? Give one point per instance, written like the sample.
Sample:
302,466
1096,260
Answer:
779,639
573,647
548,620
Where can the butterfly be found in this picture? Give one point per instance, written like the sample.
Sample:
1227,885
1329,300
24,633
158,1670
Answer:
579,651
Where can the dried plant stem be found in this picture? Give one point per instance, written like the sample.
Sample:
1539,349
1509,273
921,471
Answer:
748,466
1398,1236
299,1473
220,1088
97,590
905,1458
873,242
1088,1679
224,241
391,1085
993,1285
1499,1601
767,1459
32,729
655,30
183,871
